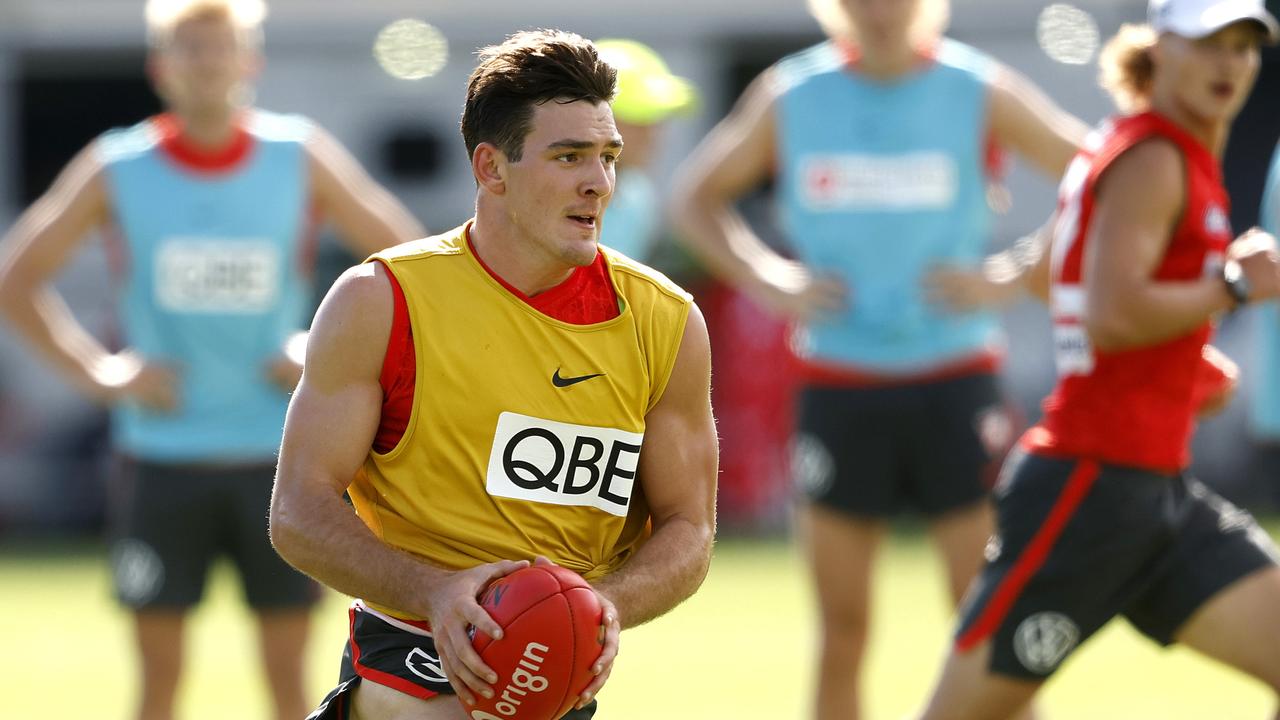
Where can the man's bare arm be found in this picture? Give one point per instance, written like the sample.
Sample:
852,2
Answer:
368,217
678,473
35,249
737,156
328,432
1137,204
1027,121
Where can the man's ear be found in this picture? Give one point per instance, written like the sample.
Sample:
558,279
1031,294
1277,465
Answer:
489,165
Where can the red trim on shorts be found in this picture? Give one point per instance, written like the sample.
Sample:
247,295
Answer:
379,677
824,374
1033,556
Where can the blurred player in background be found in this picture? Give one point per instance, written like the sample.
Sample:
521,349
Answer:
210,208
484,396
1097,516
880,141
648,94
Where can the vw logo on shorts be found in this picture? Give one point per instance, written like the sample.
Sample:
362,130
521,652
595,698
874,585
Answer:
425,666
138,571
1043,640
812,466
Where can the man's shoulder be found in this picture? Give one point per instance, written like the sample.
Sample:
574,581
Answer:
967,61
443,244
272,127
805,65
631,275
125,143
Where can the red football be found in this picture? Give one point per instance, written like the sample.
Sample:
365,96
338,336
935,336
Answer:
550,619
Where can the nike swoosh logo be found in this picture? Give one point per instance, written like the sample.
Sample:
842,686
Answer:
567,381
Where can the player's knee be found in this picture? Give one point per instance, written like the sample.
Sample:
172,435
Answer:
1272,678
1268,671
849,627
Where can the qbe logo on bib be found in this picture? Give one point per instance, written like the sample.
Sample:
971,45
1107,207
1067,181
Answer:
562,463
202,275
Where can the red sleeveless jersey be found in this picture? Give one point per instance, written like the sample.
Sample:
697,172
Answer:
1133,407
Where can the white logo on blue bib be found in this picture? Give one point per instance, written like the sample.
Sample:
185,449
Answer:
204,275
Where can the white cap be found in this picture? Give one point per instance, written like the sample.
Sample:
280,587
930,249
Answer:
1198,18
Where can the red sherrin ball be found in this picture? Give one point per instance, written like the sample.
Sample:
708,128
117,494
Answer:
550,619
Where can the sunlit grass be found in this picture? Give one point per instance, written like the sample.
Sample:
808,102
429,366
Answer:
741,649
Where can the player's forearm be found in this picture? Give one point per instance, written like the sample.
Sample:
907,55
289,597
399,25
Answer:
725,243
665,571
393,225
1155,312
41,318
376,224
320,535
402,226
1039,276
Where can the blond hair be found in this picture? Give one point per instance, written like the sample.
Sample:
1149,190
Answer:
1126,69
930,22
165,15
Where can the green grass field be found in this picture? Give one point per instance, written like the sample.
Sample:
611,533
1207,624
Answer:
739,650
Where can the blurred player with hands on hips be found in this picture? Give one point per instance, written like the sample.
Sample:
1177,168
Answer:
881,141
210,207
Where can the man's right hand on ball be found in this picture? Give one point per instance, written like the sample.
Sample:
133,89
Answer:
455,608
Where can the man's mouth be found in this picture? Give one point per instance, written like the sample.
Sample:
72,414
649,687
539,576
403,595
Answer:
586,221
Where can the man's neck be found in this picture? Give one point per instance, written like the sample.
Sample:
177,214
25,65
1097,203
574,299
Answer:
513,259
1211,133
207,130
884,64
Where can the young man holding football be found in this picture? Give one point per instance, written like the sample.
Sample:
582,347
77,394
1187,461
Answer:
463,464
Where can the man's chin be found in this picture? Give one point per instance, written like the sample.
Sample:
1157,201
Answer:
582,252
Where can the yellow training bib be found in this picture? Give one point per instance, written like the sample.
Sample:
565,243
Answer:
526,431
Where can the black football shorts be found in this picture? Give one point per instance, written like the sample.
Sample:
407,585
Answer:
398,654
170,522
1080,542
930,446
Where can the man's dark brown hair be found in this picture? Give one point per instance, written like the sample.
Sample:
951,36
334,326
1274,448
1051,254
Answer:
532,67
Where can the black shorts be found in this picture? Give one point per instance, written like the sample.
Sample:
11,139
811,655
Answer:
1266,470
397,654
929,446
169,523
1080,542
